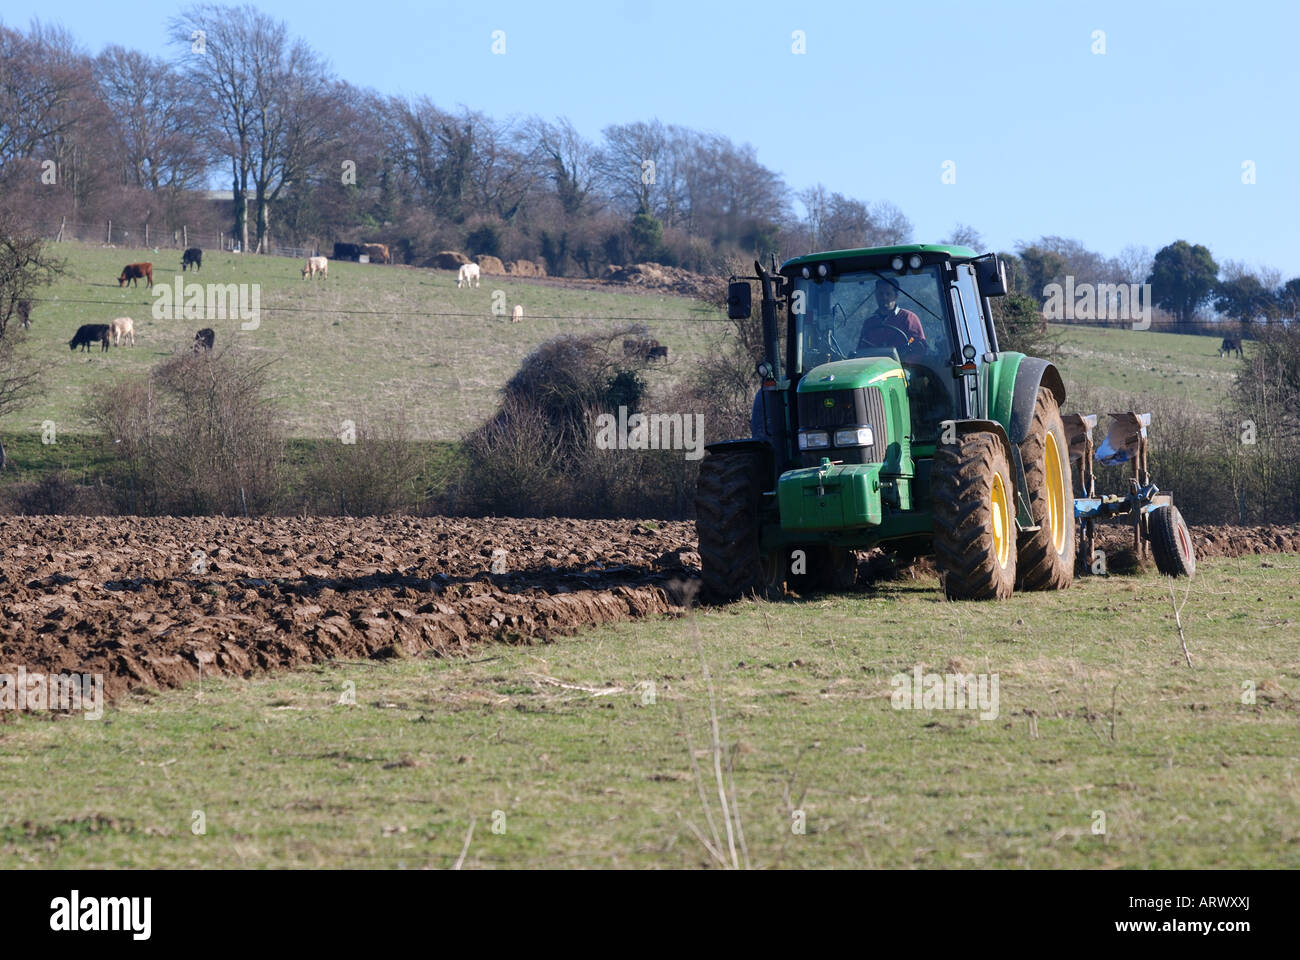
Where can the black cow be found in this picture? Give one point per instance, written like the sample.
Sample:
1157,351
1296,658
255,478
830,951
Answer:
193,256
657,352
89,333
204,339
25,313
1230,345
347,251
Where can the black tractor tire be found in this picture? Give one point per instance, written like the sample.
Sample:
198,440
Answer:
974,531
1045,557
828,569
726,523
1171,542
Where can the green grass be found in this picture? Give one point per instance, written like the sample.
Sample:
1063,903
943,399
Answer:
374,340
363,344
1186,774
1115,364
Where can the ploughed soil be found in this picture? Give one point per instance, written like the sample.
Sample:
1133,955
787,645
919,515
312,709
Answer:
147,601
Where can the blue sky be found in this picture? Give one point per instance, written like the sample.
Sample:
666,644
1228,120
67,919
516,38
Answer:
1142,144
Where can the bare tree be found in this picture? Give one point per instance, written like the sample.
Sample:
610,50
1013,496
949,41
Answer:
25,268
569,161
39,89
151,119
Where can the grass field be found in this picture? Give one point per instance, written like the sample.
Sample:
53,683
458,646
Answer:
372,340
365,343
562,755
1119,365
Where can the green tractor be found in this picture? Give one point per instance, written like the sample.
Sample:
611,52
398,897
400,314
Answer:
893,420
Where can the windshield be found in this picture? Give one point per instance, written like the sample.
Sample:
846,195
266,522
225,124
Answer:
870,313
860,314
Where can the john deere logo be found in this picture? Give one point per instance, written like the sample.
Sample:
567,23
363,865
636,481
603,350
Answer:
828,402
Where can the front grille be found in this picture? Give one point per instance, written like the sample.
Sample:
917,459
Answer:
828,409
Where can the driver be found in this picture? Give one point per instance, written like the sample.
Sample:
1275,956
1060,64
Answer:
875,329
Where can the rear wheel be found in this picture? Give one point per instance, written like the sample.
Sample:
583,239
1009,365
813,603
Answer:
974,520
726,523
1171,542
1046,555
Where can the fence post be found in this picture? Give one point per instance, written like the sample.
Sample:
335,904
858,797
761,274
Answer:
110,232
185,235
221,240
146,234
62,223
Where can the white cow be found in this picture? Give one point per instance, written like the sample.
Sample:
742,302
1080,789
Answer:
517,314
316,265
122,327
468,273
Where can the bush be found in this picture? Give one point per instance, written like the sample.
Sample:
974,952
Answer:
379,473
200,435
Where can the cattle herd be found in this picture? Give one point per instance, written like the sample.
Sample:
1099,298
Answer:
123,328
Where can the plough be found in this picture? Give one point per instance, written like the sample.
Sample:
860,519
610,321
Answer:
1158,528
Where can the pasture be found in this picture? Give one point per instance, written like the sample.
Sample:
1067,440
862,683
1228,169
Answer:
368,342
560,758
374,340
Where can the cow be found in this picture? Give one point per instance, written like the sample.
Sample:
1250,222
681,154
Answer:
122,327
204,339
316,265
1230,345
134,273
377,252
90,333
24,308
347,251
517,314
468,274
193,256
657,353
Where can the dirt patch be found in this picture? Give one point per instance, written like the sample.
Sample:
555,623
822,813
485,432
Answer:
145,601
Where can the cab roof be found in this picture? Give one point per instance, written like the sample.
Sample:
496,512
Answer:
863,253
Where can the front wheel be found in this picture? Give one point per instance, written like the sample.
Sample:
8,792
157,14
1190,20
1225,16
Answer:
727,525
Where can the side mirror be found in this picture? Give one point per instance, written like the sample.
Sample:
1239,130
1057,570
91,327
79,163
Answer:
764,370
739,304
991,276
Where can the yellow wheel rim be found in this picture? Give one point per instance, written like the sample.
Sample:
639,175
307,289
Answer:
1001,522
1056,512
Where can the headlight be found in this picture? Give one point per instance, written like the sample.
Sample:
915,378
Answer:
814,439
897,264
914,261
854,437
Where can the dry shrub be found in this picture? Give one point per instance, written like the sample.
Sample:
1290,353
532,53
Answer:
200,435
377,474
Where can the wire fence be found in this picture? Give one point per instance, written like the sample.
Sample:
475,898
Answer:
109,233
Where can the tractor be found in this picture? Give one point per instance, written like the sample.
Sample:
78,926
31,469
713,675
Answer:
891,418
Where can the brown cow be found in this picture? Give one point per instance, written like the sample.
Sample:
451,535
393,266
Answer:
377,252
134,273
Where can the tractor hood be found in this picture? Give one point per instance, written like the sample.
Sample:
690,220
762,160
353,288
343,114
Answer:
850,374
